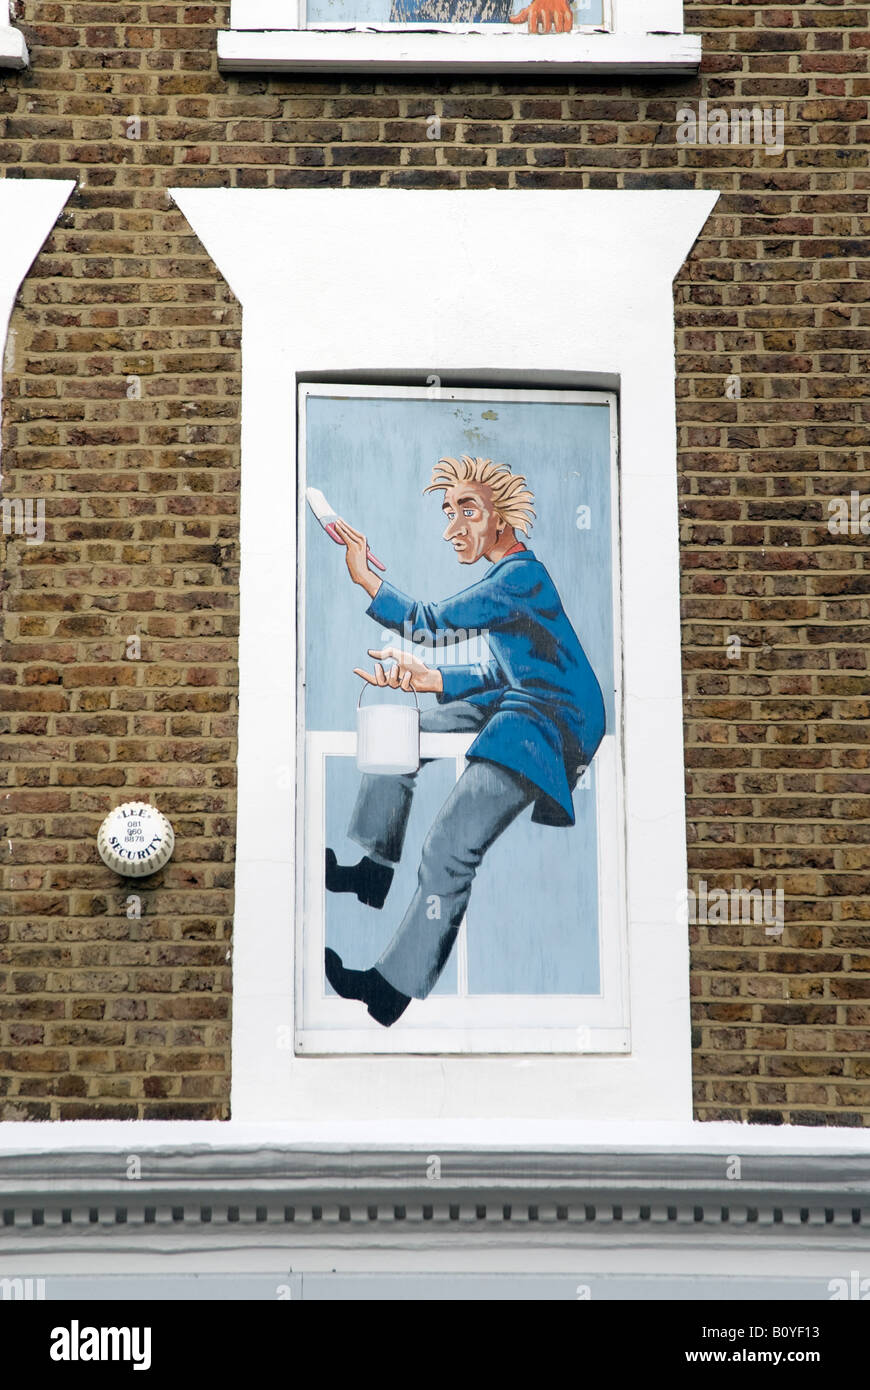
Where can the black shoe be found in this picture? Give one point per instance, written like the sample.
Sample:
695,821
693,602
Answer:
385,1004
370,881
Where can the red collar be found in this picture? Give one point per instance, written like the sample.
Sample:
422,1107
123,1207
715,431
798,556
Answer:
513,550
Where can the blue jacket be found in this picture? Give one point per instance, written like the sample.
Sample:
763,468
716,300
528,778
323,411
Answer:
547,711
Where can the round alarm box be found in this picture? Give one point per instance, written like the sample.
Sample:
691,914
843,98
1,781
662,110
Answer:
135,839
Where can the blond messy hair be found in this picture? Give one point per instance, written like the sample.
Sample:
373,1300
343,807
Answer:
511,497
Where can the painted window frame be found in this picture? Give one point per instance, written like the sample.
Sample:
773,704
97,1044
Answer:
634,37
493,1024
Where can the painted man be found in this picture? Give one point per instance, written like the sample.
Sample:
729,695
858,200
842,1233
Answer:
536,707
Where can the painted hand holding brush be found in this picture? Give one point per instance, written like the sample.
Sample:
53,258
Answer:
357,558
358,554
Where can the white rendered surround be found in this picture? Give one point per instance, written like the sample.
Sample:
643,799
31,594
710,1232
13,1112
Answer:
638,36
578,1135
13,49
326,287
29,209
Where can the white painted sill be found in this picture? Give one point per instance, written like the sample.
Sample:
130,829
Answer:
433,51
403,1136
13,49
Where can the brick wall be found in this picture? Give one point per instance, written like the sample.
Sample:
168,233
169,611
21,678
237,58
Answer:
122,412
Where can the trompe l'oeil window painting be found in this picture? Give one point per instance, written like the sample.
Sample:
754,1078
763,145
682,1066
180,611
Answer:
538,16
460,821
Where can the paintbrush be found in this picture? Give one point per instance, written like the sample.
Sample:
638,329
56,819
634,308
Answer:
327,518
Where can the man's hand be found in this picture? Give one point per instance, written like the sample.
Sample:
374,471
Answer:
355,556
557,13
409,673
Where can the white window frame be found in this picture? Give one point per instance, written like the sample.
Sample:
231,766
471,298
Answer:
492,1024
635,37
328,293
13,49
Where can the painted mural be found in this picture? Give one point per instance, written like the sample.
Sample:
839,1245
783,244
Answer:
458,580
540,16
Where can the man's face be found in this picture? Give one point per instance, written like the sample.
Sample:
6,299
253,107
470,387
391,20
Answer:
472,523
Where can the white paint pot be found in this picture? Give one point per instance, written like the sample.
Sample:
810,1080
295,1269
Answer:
387,735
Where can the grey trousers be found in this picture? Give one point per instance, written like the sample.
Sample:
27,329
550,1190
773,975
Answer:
485,800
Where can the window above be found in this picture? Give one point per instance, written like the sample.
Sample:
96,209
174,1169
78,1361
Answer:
440,36
13,49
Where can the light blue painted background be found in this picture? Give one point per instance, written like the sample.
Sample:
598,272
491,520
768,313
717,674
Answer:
532,920
378,11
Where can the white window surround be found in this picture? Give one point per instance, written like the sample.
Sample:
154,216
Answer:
29,209
13,49
325,292
638,36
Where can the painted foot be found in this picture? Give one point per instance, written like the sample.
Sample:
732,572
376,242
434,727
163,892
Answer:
384,1003
369,880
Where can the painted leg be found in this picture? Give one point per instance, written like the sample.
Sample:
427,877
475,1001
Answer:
484,802
380,816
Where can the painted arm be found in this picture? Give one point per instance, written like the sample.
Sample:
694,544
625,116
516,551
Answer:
458,682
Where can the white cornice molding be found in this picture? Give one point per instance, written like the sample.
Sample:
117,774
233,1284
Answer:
786,1219
630,1211
236,1172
